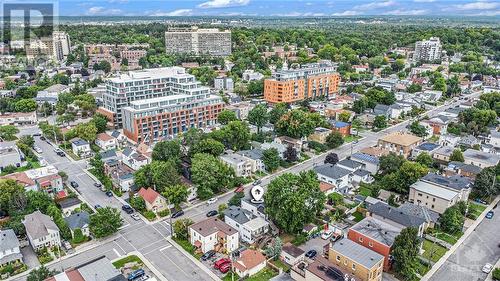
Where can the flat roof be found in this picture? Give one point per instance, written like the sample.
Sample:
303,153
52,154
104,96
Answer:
403,139
435,190
357,253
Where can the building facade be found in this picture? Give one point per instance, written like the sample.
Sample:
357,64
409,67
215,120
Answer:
428,50
198,41
310,81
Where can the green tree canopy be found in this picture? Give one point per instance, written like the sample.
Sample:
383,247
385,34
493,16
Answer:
210,175
105,221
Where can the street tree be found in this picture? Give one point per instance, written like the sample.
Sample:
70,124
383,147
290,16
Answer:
226,116
40,274
176,194
405,250
452,220
293,200
258,116
486,184
105,221
8,132
380,122
331,158
210,175
181,228
334,140
271,159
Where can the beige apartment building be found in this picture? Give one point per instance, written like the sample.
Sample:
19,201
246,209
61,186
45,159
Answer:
400,143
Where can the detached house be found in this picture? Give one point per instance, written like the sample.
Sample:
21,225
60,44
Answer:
41,231
133,159
249,226
249,263
80,221
213,234
10,251
11,155
242,166
105,141
81,147
335,175
154,201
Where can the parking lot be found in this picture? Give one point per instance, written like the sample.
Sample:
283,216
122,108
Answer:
210,264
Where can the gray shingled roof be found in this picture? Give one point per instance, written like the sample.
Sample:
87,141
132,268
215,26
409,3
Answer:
456,182
419,211
358,253
365,157
78,220
378,230
331,171
350,163
8,240
255,154
238,214
391,213
38,225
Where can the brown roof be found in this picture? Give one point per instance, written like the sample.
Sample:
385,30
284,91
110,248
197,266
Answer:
104,137
323,186
292,250
20,178
375,151
71,274
211,226
149,195
403,139
249,259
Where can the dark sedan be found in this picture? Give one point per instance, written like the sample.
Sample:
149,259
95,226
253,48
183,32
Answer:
212,213
311,254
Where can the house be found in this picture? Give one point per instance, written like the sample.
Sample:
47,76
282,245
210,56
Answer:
363,263
362,176
459,168
99,269
46,179
448,140
11,155
42,232
81,147
291,254
105,141
297,144
69,205
335,175
458,183
385,195
213,234
80,221
439,124
443,154
154,201
249,226
434,197
342,127
391,215
18,118
426,147
278,146
370,163
134,159
319,269
121,175
468,141
109,155
399,142
242,165
375,235
249,263
257,209
480,158
22,179
255,157
10,251
422,212
350,164
382,110
320,134
494,138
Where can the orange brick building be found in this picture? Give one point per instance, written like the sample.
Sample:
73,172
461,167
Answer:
310,81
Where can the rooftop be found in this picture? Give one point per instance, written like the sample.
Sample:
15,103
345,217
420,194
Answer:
456,182
403,139
391,213
38,225
211,226
365,157
427,146
378,230
292,250
434,190
331,171
149,195
327,271
356,252
350,163
481,156
77,220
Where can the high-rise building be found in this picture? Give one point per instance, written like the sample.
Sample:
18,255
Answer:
428,50
153,103
56,47
309,81
198,41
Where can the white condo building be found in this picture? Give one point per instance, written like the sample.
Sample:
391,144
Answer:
198,41
428,50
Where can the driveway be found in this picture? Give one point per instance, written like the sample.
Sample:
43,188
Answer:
29,257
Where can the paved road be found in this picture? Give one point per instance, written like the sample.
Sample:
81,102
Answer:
481,247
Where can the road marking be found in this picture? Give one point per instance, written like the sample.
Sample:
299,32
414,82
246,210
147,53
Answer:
119,246
164,248
116,252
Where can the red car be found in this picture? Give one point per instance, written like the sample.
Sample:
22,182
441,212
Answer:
221,262
225,267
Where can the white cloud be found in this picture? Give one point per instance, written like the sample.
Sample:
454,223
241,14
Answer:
347,13
101,11
299,14
478,5
401,12
488,13
175,13
223,3
375,5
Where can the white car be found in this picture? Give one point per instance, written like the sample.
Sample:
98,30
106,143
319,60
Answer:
326,235
37,149
135,216
487,268
211,201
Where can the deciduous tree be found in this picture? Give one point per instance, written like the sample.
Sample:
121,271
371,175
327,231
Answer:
105,221
271,159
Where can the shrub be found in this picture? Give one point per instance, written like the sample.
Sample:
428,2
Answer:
78,236
150,215
496,274
164,213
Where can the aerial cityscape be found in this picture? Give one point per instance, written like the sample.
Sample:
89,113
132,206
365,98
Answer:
250,140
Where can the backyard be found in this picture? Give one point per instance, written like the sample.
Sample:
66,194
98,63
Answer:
432,251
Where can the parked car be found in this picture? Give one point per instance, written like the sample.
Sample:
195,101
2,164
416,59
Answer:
211,200
135,217
490,214
481,201
336,237
177,214
487,268
42,161
311,254
127,209
212,213
37,134
73,184
97,206
96,184
208,255
257,182
136,274
225,267
59,152
221,262
326,235
109,193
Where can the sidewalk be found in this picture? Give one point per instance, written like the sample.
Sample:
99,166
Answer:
467,233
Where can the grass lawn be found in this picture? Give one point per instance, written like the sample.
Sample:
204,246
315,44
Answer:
121,262
446,237
365,191
263,275
433,251
32,165
351,138
358,216
281,265
187,246
475,210
422,269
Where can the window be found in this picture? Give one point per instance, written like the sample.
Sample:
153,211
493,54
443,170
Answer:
353,266
338,258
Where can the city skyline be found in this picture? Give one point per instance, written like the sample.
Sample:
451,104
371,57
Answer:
298,8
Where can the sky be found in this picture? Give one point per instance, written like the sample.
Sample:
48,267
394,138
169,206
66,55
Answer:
292,8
